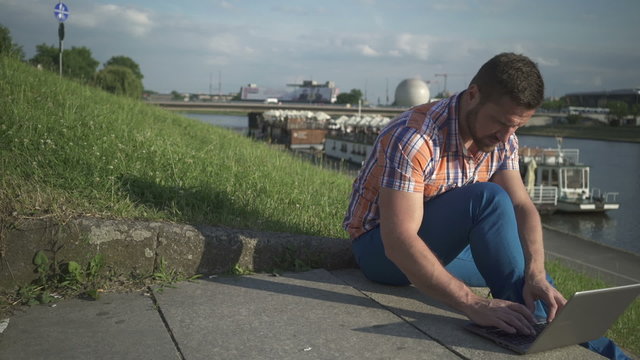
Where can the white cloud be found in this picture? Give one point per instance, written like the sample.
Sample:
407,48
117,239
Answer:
226,5
545,61
413,45
229,44
133,21
299,10
366,50
451,5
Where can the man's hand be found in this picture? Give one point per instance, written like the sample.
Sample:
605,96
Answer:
506,315
538,288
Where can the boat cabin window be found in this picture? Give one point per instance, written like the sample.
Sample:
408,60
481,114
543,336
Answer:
550,177
574,178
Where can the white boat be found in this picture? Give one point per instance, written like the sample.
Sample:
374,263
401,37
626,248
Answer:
557,181
298,130
351,138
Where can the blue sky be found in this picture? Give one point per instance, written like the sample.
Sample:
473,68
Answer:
580,45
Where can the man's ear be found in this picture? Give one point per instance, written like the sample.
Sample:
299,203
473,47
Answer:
474,94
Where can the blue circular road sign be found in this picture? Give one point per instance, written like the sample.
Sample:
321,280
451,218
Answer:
61,11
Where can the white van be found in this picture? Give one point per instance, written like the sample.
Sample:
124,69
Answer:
271,101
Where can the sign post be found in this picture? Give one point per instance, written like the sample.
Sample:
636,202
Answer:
61,11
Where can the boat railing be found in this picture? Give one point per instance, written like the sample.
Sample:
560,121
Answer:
551,156
611,197
608,197
547,195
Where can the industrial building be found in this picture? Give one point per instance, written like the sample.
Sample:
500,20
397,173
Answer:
308,91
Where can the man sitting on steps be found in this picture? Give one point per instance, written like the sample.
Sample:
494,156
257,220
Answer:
442,186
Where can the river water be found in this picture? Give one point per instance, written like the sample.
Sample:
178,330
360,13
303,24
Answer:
615,167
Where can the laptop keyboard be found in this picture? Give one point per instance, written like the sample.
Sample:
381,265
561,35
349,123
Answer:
518,339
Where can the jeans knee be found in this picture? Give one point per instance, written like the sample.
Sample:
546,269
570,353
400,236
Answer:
492,192
491,198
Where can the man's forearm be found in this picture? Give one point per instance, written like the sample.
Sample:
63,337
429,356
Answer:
530,231
424,270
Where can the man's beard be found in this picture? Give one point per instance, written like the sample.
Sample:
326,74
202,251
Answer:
484,144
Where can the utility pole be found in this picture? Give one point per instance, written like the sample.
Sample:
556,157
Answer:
444,91
387,103
365,90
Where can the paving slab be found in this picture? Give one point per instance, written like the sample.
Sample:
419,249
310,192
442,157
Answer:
117,326
311,315
443,324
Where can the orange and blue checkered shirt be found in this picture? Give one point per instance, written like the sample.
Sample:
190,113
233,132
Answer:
421,151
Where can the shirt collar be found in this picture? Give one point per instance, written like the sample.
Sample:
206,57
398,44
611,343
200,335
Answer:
453,143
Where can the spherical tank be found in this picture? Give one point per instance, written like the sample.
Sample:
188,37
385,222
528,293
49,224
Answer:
411,92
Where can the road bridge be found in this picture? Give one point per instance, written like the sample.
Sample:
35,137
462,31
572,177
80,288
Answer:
241,106
330,109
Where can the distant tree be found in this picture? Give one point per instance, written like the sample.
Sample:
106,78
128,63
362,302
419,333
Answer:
552,105
573,119
125,61
7,47
617,111
634,110
77,62
351,97
46,56
176,95
119,80
442,95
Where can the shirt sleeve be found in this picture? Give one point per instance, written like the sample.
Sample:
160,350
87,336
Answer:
404,155
510,160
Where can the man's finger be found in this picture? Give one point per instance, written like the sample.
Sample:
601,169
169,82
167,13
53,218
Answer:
552,307
524,311
519,322
529,302
505,327
558,303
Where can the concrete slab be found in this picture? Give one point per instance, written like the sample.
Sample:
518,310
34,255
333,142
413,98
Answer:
309,315
443,324
117,326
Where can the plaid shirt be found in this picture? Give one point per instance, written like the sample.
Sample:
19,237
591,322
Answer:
421,151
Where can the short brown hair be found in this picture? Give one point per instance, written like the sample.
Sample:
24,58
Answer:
512,75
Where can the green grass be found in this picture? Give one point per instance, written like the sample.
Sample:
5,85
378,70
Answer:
69,150
626,331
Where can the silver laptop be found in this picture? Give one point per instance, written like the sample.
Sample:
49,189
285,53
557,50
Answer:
586,316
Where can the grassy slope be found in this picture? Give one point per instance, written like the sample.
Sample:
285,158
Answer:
625,331
67,149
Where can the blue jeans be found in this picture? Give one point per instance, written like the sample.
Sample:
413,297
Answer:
474,233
